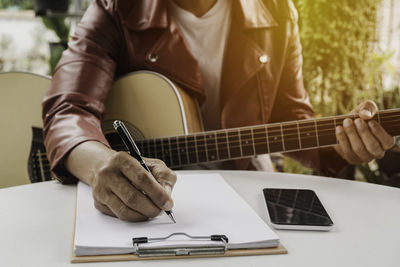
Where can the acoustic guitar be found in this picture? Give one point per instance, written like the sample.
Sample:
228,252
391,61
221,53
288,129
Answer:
165,123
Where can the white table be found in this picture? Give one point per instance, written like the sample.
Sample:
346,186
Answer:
36,225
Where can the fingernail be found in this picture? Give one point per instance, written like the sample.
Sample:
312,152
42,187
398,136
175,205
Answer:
347,122
357,122
339,130
168,205
367,113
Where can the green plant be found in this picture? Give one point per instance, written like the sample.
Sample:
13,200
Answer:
341,63
58,25
337,38
61,29
22,4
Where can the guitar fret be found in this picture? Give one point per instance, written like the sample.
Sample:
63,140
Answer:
187,150
205,147
266,136
148,149
178,150
253,141
197,150
223,150
183,156
240,143
192,152
41,167
211,146
216,145
202,149
290,133
316,132
170,152
233,140
162,149
246,143
335,122
175,155
283,141
298,134
227,142
260,140
275,139
307,134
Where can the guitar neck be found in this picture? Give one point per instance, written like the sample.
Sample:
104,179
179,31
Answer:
244,142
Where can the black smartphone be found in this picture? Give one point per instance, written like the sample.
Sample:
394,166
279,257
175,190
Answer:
296,209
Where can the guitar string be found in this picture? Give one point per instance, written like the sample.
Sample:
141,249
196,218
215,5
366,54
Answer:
274,134
271,135
276,129
236,132
236,144
221,139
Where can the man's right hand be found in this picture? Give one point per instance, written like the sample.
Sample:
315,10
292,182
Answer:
121,186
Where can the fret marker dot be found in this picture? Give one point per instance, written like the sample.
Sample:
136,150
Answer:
275,138
212,157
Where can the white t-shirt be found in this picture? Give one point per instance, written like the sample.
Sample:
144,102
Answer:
206,37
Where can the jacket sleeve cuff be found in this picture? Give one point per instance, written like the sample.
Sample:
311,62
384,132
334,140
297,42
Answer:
333,165
58,167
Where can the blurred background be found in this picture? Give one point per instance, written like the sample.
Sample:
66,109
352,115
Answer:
351,53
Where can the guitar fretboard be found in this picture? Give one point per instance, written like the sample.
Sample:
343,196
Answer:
244,142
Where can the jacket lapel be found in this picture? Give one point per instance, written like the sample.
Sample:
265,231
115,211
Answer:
243,56
153,14
184,70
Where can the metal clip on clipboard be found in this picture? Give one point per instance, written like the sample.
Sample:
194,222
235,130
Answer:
217,249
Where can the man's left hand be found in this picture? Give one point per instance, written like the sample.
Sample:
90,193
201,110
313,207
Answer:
362,140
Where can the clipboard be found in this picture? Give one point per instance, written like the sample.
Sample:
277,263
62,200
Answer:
218,250
148,248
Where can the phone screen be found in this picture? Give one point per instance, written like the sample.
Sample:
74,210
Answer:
295,207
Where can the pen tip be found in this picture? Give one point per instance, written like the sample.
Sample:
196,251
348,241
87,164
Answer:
171,215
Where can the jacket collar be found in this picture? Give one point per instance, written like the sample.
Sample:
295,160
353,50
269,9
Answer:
143,15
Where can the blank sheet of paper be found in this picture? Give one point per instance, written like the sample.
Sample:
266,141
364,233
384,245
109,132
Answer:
204,205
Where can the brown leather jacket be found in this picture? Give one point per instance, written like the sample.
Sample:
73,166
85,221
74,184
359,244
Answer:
261,77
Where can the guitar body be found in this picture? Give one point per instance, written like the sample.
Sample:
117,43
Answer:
149,104
20,104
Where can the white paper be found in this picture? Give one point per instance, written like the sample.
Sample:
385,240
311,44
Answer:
204,205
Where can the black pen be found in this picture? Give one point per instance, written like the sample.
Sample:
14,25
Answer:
119,126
